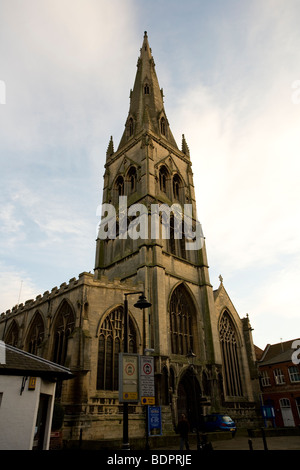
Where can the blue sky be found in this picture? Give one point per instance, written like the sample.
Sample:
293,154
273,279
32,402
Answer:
230,73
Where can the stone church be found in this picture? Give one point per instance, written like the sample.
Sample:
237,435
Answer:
80,324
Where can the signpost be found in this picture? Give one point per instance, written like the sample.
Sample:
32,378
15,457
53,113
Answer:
128,378
147,388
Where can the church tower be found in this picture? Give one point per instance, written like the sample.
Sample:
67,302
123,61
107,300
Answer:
149,172
146,173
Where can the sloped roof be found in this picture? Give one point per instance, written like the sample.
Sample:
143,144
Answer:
278,352
18,362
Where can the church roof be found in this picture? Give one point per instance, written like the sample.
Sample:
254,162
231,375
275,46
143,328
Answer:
146,108
18,362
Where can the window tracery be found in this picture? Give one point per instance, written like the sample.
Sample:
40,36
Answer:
35,335
231,365
63,328
181,321
111,343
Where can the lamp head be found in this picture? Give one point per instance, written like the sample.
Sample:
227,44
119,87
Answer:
142,302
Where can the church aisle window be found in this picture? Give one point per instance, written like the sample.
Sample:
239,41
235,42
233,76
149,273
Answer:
63,328
35,335
231,366
111,343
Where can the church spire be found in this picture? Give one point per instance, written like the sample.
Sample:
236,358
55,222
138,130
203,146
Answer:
146,110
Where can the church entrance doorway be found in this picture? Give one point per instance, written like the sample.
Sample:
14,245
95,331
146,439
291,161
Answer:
189,399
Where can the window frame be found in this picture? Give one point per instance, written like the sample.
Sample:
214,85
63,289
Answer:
279,376
295,373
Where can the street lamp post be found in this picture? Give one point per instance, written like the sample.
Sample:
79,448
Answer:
191,358
141,304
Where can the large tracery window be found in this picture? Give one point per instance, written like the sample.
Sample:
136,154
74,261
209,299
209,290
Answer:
111,343
182,312
63,328
35,335
231,366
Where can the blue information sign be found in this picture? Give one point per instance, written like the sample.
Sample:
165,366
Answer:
154,421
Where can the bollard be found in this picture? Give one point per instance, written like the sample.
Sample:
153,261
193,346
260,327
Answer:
264,439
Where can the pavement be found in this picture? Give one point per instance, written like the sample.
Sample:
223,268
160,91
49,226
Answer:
243,442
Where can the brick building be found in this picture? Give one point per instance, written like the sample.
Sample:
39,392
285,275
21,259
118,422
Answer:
279,372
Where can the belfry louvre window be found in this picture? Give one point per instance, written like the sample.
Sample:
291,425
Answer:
64,326
163,177
132,179
182,312
120,186
229,348
111,343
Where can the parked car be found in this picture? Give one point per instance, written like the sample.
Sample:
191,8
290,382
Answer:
218,422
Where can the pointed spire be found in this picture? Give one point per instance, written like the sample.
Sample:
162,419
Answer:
146,110
110,148
184,147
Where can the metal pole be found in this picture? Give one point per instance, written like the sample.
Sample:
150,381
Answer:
264,439
197,411
125,405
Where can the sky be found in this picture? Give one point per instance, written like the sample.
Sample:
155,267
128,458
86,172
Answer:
231,79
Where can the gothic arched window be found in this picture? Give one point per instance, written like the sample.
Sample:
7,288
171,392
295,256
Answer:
176,187
120,186
12,336
63,328
35,335
132,178
111,343
229,348
163,178
182,312
146,89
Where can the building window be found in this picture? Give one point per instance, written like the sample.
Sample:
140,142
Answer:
182,312
132,178
176,187
120,186
111,343
13,334
163,178
265,379
294,374
146,89
63,328
231,364
35,335
279,377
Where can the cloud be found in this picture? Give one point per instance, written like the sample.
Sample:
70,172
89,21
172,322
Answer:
16,287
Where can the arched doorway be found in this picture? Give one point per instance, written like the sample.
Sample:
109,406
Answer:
189,398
